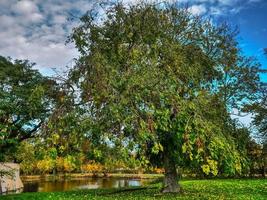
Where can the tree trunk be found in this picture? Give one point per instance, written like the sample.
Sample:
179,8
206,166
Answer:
54,172
264,160
170,182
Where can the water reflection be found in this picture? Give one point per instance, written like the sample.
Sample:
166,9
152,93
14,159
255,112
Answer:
88,183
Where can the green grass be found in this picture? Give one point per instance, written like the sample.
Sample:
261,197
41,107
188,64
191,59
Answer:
192,189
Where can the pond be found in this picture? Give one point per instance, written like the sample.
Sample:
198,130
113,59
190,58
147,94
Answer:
84,183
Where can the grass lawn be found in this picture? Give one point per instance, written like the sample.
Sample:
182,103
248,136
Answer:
192,189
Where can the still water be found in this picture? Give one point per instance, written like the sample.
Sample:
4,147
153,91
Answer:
74,184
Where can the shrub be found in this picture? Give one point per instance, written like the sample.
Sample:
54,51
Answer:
45,166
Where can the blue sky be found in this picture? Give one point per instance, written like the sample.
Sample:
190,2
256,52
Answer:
252,22
37,29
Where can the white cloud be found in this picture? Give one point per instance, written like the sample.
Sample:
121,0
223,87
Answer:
244,118
27,10
59,19
228,2
215,11
198,9
6,21
37,30
25,7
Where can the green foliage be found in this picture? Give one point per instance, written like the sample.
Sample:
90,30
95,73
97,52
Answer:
66,164
257,158
25,99
260,116
25,155
37,158
161,82
226,154
45,166
64,132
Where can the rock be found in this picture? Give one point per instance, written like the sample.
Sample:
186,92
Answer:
9,178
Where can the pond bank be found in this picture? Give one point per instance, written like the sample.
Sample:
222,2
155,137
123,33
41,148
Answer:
26,178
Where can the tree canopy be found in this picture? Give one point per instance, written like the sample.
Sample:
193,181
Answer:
162,82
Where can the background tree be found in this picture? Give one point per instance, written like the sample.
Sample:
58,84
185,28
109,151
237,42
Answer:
26,155
259,109
26,99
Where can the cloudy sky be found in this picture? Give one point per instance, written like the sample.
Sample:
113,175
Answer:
37,29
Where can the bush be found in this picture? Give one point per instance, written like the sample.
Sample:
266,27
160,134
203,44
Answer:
92,167
45,166
158,170
28,168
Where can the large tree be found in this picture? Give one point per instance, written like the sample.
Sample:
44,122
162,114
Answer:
156,80
26,99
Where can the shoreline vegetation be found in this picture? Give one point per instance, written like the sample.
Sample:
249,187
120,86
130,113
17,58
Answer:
192,189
